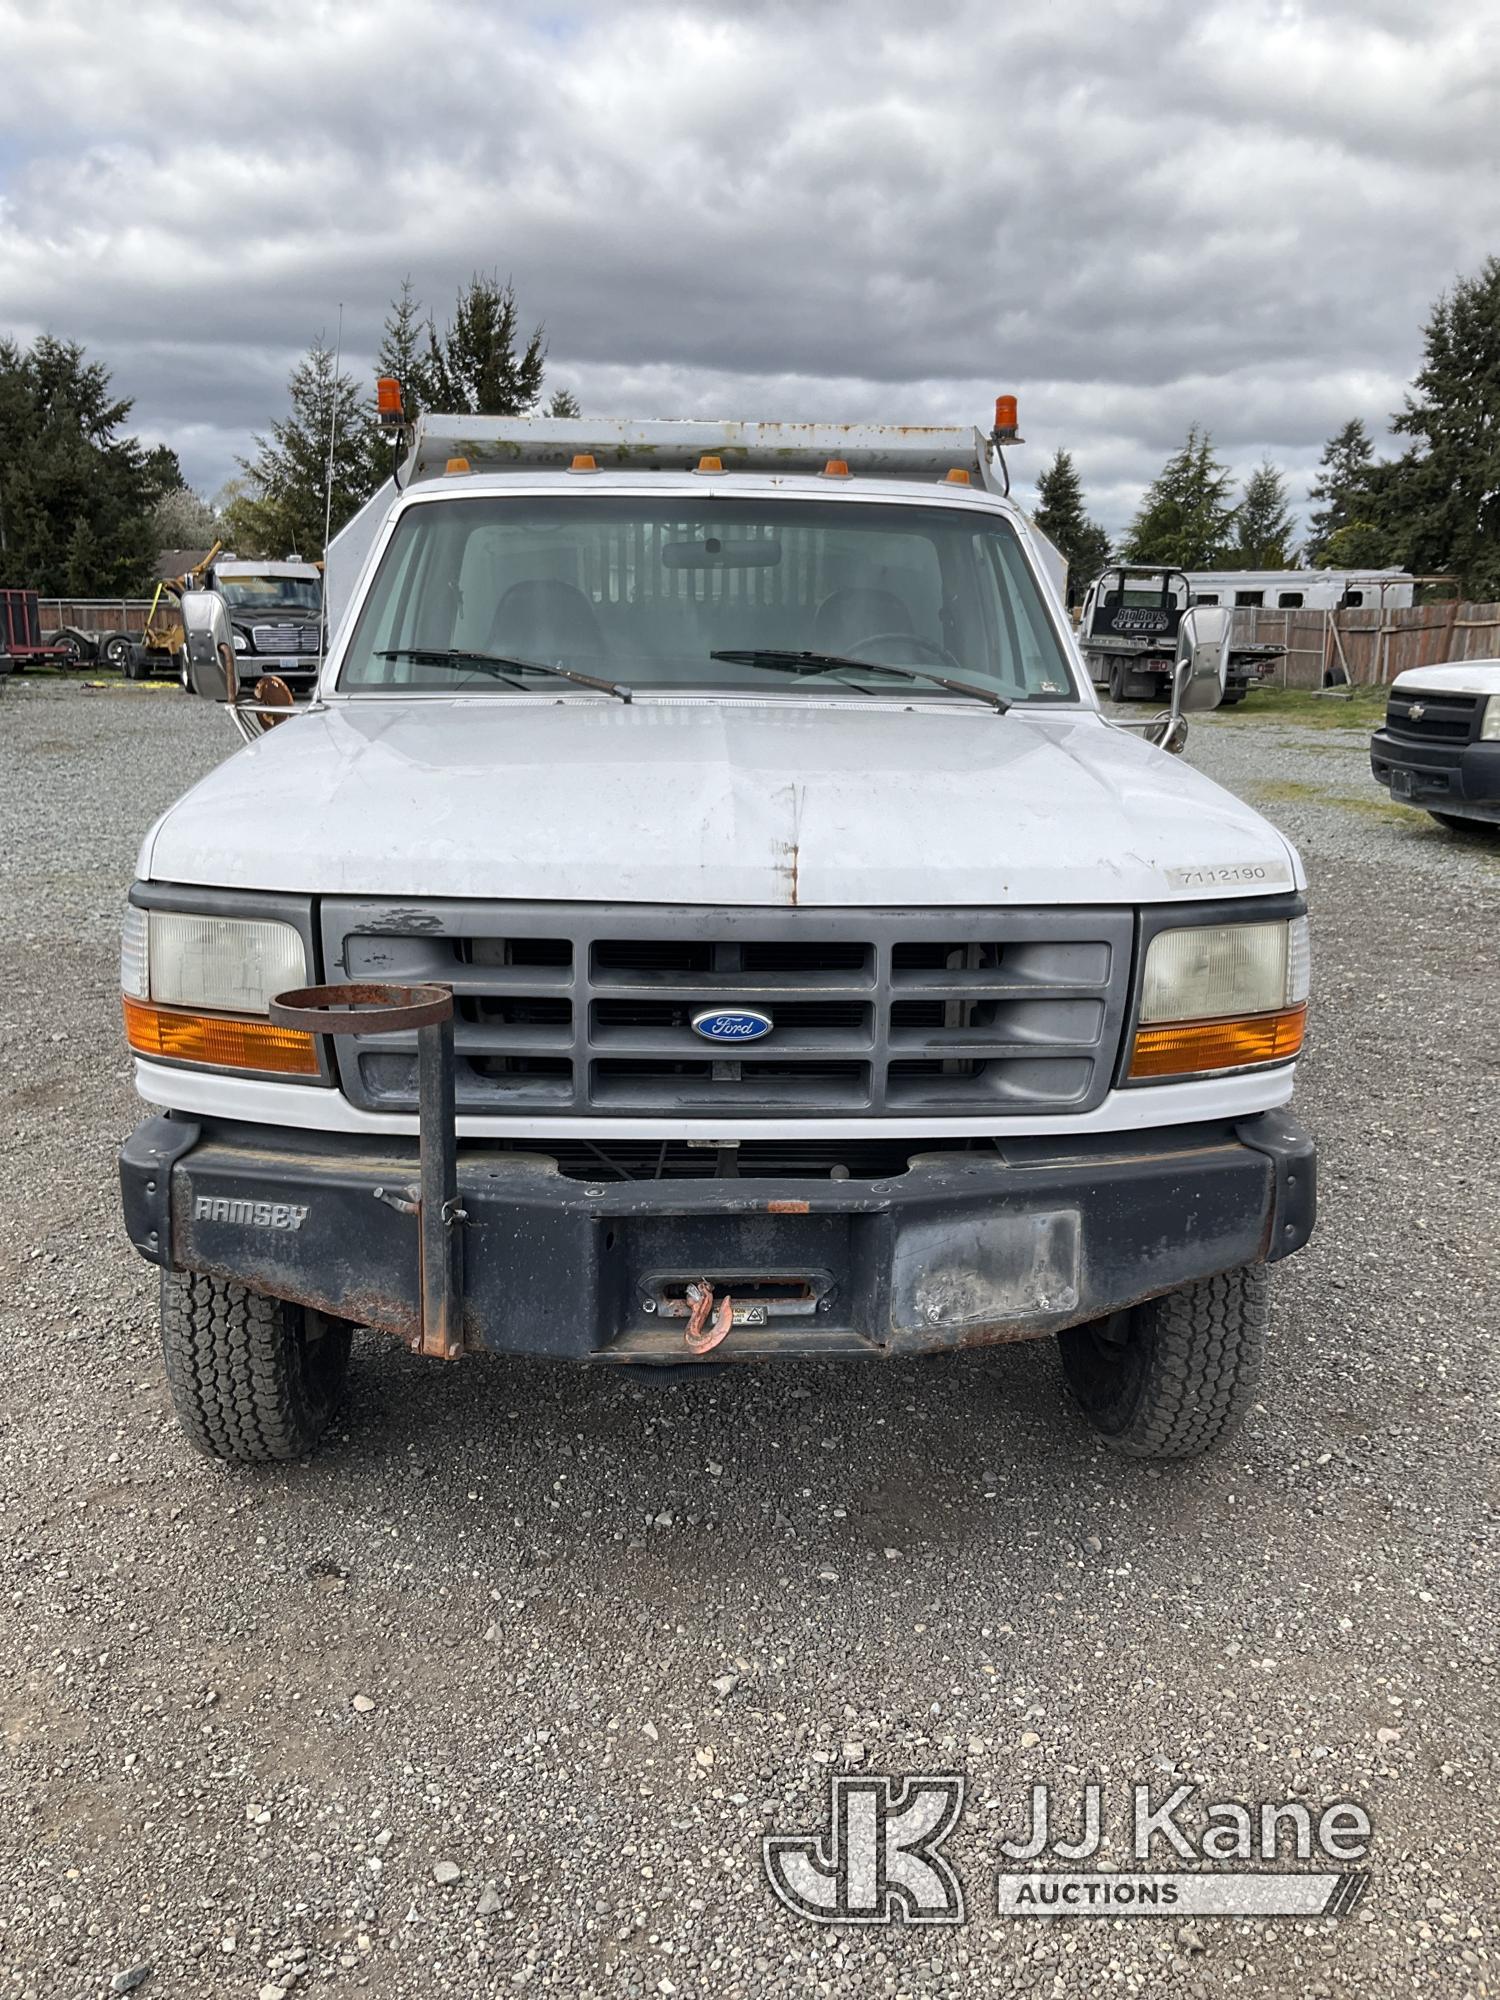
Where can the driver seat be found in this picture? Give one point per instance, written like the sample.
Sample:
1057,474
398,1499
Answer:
548,620
847,616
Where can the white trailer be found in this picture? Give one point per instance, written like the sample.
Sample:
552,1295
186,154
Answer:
1302,589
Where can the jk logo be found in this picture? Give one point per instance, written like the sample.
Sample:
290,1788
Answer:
879,1859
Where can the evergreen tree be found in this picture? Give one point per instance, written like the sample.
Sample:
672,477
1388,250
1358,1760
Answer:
564,404
473,367
1061,517
75,495
403,350
1093,554
1186,518
1357,545
283,508
1346,474
164,471
1443,502
1263,523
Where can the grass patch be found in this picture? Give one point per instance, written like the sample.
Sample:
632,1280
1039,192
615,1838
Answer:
1363,711
1290,791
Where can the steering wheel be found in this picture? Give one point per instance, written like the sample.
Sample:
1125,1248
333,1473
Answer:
929,646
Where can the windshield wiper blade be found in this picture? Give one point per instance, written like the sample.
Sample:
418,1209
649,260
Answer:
827,663
496,664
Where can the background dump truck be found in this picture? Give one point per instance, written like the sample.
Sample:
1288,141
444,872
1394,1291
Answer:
1128,628
704,916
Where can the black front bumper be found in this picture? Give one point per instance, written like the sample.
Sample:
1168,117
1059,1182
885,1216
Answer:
962,1249
1439,776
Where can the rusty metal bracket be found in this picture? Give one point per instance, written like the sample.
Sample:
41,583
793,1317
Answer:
383,1010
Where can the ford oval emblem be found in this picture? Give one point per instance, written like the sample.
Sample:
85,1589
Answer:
732,1024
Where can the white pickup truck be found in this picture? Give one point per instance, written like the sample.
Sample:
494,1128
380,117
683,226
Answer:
704,916
1439,746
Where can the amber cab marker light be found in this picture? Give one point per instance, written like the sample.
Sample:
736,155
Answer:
1189,1048
584,461
710,462
456,465
956,476
221,1040
836,468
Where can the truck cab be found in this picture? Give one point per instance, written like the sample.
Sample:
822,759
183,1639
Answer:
275,615
704,916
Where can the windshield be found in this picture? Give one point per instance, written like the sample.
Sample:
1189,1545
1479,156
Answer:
271,593
645,591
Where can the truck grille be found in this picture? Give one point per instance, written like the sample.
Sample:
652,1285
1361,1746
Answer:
285,638
1431,718
574,1008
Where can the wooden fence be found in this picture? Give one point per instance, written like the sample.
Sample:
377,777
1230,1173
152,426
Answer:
94,614
1370,647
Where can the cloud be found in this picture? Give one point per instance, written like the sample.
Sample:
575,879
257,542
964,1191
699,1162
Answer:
1140,217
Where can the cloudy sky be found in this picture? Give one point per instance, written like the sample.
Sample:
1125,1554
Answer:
1135,216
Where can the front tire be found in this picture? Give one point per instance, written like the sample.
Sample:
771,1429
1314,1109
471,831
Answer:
1467,829
1170,1378
252,1378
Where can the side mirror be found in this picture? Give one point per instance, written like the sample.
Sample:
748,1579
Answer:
210,645
1201,671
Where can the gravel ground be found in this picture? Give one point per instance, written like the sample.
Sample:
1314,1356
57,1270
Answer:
604,1636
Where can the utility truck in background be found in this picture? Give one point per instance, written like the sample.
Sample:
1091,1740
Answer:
704,916
274,612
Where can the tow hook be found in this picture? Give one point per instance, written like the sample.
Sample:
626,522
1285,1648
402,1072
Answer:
700,1336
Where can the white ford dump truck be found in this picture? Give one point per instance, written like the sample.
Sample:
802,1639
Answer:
705,916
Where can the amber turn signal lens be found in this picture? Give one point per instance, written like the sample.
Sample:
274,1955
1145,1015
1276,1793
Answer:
218,1039
1187,1048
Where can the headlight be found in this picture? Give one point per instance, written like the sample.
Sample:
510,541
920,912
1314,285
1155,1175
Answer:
1489,728
241,643
1221,997
198,989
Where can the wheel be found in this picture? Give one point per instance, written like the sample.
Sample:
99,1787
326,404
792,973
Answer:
137,665
251,1378
71,646
184,677
1467,829
1117,680
115,651
1233,697
1169,1378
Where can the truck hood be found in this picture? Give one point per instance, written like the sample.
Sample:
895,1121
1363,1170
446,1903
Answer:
1456,677
723,800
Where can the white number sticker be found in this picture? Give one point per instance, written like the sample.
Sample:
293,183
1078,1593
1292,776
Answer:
1233,875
